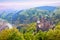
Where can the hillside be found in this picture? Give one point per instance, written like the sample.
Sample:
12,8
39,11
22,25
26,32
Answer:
28,15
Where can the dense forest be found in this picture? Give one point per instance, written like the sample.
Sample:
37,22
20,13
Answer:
25,21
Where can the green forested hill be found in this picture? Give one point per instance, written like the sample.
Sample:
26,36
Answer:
30,15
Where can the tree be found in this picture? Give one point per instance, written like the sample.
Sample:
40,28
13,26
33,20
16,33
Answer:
11,34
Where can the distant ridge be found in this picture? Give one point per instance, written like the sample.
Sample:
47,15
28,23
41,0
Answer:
49,8
26,14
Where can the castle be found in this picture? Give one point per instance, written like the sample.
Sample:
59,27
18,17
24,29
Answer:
45,24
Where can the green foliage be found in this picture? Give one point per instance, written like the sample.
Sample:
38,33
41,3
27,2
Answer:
11,34
31,28
28,36
14,34
53,35
57,26
40,35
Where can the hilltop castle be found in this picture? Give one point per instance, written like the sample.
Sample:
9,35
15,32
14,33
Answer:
45,24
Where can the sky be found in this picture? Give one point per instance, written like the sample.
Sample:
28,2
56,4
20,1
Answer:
24,0
26,4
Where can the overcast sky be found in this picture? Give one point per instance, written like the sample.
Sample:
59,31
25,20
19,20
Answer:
24,0
25,4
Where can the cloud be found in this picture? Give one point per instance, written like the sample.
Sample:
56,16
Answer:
24,0
26,5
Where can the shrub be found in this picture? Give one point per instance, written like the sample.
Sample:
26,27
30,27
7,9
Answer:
11,34
57,26
28,36
14,34
40,35
53,35
31,28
